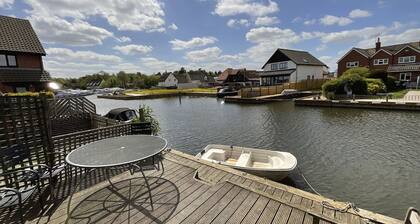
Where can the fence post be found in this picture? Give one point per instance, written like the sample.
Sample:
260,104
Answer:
47,139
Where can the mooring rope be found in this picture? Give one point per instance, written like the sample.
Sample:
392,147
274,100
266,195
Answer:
326,204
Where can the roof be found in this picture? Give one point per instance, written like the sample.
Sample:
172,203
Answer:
163,77
298,57
200,76
392,49
404,68
250,74
17,35
182,77
94,83
23,75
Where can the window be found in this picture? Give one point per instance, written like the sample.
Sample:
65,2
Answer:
352,64
3,61
382,61
278,66
11,59
7,60
405,76
407,59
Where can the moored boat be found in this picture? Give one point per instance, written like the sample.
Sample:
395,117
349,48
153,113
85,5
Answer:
273,165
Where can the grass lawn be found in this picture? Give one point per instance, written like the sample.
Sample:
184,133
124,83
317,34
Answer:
168,91
399,94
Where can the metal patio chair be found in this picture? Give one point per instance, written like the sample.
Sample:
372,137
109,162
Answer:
18,189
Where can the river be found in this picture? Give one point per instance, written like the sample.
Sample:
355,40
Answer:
369,157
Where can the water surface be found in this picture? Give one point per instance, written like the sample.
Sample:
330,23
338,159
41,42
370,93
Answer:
369,157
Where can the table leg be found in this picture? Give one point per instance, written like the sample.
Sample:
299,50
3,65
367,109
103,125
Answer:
147,183
82,177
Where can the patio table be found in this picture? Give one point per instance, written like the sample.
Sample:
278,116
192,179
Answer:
117,152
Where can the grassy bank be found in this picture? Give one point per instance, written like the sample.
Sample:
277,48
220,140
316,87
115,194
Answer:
171,91
399,94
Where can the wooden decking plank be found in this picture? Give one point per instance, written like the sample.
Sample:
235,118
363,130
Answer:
243,209
269,212
162,210
296,200
192,216
231,207
296,216
309,219
256,211
220,206
353,219
190,205
226,177
278,193
287,196
270,190
306,203
282,215
328,212
316,207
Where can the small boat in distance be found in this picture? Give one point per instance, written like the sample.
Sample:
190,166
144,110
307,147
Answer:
273,165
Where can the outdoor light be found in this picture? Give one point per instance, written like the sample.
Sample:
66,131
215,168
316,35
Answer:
54,86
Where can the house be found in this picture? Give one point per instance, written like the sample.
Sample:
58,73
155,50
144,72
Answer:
94,84
21,52
242,77
291,66
401,60
201,79
192,79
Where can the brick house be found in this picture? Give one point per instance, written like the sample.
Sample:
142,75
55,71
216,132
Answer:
239,77
21,66
401,61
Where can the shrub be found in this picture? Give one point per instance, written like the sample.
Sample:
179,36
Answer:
355,82
391,83
362,71
375,86
146,114
330,87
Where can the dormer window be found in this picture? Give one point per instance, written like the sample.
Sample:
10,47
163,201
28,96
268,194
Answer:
382,61
352,64
406,59
7,60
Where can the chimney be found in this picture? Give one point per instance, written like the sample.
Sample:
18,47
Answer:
378,44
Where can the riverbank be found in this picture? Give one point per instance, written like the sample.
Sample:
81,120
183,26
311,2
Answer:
361,104
269,98
156,96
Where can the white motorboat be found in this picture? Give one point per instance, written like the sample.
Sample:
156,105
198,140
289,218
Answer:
273,165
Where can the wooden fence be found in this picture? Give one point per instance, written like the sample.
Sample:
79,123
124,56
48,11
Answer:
277,89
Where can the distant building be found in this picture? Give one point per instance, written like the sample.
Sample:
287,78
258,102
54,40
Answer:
291,66
21,66
243,77
186,80
94,84
401,60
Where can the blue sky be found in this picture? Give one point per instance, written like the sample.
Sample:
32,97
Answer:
85,36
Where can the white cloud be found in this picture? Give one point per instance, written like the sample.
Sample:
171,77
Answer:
133,15
193,43
52,29
321,47
266,21
331,62
7,4
155,65
133,49
349,36
235,23
329,20
358,13
309,22
208,54
410,35
68,55
249,7
173,26
124,39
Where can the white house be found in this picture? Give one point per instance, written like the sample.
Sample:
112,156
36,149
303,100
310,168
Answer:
291,66
186,80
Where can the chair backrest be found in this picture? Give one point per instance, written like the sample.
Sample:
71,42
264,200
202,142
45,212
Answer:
15,155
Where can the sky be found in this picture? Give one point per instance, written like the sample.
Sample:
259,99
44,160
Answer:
84,36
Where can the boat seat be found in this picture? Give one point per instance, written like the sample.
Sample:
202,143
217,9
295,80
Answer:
217,155
275,161
244,160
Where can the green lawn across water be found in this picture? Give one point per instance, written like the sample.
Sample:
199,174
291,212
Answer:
169,91
399,94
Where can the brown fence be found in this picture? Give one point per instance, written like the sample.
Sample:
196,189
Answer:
273,90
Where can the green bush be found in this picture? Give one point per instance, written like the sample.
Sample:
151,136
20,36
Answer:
330,87
146,114
375,86
390,84
355,82
362,71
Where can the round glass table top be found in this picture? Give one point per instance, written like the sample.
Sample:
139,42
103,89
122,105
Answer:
116,151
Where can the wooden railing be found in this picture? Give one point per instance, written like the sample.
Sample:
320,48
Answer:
277,89
70,107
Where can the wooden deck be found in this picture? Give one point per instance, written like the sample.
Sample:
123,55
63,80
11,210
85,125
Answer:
190,191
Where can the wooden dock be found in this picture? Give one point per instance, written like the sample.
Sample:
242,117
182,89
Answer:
192,191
